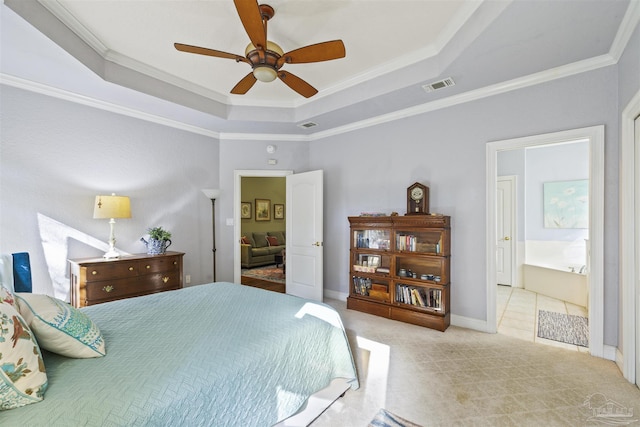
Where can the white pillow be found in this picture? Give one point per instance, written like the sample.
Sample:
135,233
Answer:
61,328
23,378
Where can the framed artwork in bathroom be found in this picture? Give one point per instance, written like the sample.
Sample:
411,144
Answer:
566,204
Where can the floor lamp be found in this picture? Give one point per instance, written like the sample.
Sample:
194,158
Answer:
213,194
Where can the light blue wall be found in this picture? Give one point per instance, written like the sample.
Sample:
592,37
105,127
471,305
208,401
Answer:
56,156
445,149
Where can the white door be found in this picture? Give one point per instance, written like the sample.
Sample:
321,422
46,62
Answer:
504,227
305,235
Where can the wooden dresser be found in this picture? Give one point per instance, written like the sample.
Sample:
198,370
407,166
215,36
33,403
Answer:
96,280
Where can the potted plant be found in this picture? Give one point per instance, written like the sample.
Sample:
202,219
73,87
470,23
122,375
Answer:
159,240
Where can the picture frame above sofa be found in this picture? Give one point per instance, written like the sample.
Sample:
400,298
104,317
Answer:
263,210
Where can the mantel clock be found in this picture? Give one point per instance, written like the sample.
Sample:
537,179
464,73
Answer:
417,199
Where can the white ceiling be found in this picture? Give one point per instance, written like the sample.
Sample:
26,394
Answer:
393,48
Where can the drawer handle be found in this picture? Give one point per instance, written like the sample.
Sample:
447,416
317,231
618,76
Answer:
175,262
165,279
94,272
107,288
130,268
148,266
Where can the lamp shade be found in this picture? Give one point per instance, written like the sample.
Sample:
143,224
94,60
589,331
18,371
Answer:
212,193
111,207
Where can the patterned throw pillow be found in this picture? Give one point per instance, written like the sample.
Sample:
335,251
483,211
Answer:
272,241
6,296
61,328
23,378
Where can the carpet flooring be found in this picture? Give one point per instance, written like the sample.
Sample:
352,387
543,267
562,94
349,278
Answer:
567,328
269,273
466,378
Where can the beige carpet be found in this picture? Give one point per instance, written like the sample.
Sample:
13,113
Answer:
462,377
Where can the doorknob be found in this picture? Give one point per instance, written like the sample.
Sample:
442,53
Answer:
507,238
316,244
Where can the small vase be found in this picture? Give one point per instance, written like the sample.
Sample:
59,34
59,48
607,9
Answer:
157,247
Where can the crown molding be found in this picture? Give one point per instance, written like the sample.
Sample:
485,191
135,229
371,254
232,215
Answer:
628,25
47,90
473,95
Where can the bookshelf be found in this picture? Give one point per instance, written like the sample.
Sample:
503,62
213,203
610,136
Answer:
399,268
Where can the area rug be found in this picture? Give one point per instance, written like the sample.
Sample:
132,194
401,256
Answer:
270,273
567,328
385,418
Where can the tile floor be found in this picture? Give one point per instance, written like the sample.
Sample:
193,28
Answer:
463,377
518,314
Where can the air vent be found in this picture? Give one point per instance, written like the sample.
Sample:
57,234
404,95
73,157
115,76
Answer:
308,125
440,84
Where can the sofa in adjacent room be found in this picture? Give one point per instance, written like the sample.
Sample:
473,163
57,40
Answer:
260,248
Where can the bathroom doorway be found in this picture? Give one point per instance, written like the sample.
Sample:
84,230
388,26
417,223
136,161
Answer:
510,158
548,302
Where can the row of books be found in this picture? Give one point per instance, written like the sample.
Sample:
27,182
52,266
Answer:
420,297
361,285
409,242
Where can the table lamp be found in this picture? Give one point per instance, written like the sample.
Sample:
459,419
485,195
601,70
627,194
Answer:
112,207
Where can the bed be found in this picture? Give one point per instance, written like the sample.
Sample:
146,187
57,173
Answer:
216,354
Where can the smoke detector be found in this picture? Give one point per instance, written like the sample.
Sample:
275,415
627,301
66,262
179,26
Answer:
440,84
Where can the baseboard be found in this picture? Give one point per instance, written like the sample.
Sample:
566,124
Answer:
340,296
469,323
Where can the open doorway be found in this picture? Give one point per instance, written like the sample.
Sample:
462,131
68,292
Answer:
595,138
263,232
238,206
542,216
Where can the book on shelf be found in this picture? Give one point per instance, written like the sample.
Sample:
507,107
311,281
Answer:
419,297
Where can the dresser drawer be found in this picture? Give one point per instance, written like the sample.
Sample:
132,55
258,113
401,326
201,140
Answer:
122,288
99,272
160,281
110,289
154,265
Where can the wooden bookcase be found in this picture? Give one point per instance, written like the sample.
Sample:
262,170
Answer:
399,268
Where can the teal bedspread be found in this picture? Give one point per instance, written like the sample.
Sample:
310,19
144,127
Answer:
213,355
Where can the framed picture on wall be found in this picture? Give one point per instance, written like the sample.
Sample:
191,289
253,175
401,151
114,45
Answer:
245,210
278,211
566,204
263,210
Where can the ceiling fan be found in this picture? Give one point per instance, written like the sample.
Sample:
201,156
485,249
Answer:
266,57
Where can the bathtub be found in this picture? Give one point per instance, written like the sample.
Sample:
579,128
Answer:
560,284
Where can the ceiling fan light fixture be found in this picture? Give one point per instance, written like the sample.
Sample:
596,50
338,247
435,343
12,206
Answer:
265,73
273,47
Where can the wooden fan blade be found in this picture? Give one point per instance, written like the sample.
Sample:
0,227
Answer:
244,85
297,84
209,52
251,18
325,51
